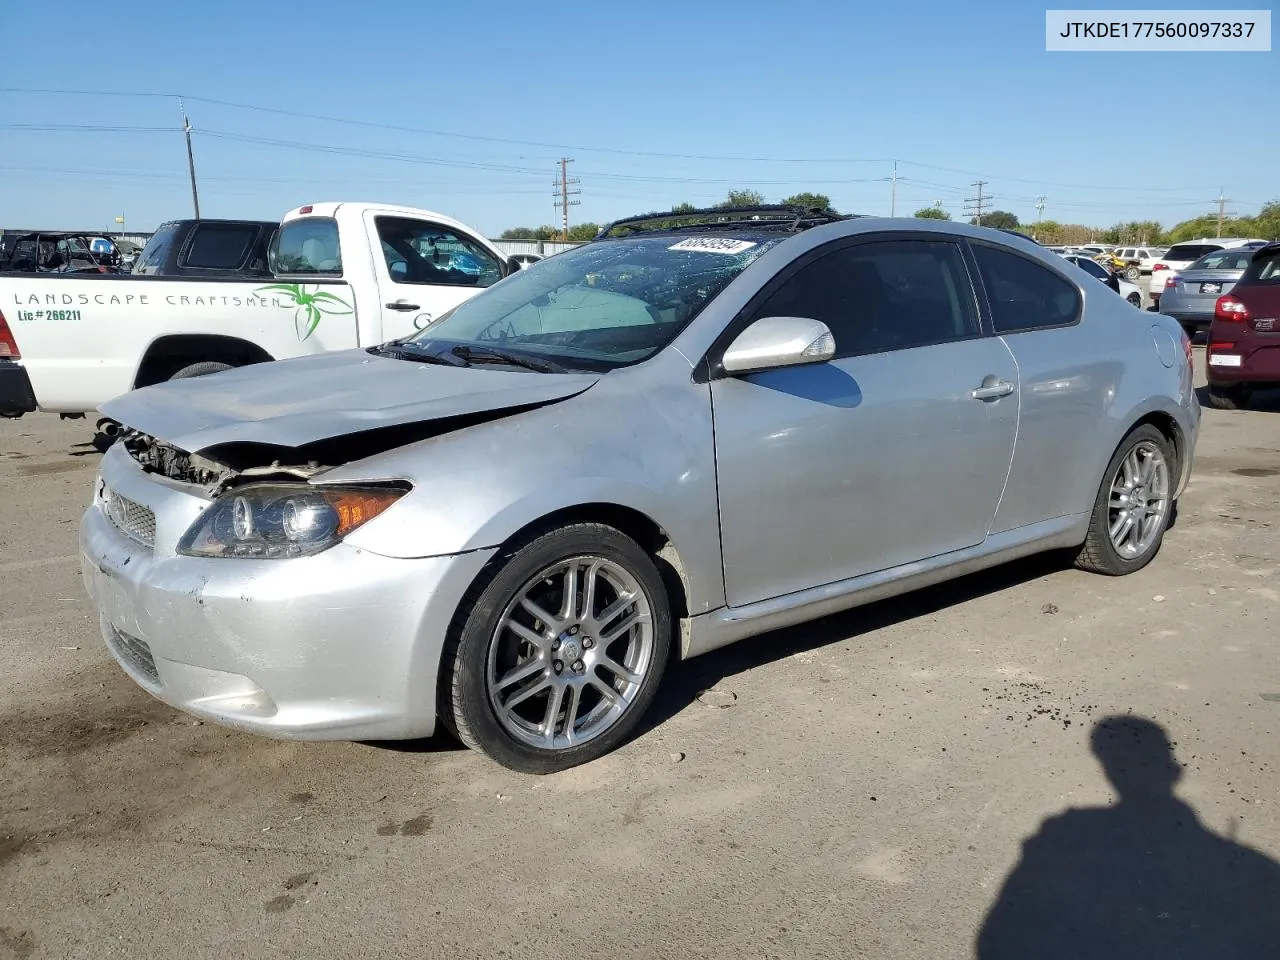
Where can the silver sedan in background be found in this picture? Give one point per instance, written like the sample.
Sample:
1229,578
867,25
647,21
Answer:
1191,295
686,432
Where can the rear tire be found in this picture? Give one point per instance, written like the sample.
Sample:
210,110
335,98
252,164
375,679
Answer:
1136,300
498,690
203,368
1228,398
1132,273
1133,507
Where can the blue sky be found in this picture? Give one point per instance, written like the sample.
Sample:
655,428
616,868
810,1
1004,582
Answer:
657,102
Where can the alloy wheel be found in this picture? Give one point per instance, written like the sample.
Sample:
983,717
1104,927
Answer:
1139,501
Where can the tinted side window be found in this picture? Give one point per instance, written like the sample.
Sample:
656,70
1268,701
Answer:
420,252
220,246
1023,294
154,254
883,295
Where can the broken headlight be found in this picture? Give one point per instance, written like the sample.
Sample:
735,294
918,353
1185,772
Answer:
269,521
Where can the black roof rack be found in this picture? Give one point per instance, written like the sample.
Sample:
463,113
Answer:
776,215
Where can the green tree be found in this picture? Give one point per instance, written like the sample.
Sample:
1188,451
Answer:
683,208
998,220
932,213
743,198
809,200
581,232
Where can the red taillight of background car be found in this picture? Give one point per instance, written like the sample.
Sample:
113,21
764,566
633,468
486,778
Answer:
8,345
1171,281
1231,309
1159,266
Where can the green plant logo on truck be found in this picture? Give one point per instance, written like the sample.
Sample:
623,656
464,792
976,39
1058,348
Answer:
309,307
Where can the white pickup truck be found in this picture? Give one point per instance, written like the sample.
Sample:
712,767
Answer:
344,275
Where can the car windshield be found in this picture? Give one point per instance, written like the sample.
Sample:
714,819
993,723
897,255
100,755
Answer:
602,305
1223,260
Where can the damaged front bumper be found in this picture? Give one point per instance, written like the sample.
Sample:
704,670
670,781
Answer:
342,645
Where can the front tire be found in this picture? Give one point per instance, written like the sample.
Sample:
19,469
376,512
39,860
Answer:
1136,300
555,657
1132,273
1133,507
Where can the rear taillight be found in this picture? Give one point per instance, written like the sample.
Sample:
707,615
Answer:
1186,351
1159,266
1171,281
1231,309
8,345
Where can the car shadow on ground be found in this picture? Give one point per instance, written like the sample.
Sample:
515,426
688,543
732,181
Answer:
1263,400
1141,877
686,680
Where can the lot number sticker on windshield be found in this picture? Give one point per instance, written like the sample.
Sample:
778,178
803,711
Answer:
713,245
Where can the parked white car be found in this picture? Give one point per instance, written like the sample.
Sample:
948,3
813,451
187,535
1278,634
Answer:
344,275
1182,255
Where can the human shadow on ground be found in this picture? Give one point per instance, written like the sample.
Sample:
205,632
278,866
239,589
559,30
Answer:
1142,878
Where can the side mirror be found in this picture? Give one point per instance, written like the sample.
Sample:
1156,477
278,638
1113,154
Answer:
773,342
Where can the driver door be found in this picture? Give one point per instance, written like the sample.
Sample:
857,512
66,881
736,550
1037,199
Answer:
423,270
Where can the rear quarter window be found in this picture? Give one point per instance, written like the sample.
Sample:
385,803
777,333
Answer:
154,254
220,246
1025,295
1264,269
307,246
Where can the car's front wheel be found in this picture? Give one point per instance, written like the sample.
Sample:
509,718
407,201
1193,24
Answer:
554,658
1132,273
1136,300
1134,504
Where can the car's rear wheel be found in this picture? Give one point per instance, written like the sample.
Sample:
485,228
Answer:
1132,273
1136,300
1229,398
554,659
1134,504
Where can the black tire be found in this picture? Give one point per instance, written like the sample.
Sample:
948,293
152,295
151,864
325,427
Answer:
463,695
201,369
1136,300
1098,554
1228,398
1190,330
1132,273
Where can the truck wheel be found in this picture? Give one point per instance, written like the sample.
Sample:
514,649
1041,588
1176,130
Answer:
200,369
1132,273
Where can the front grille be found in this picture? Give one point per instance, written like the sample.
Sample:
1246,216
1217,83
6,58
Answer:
135,653
135,521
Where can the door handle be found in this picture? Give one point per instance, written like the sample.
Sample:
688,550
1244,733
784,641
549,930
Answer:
993,388
401,305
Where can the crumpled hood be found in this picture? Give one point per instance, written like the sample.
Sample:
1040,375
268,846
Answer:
294,402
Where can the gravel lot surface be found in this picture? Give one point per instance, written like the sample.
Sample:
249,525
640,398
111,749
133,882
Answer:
858,787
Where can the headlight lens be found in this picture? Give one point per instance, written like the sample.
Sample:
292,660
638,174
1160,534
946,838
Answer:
269,521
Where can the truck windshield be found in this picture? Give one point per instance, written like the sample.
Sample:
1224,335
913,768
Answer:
606,304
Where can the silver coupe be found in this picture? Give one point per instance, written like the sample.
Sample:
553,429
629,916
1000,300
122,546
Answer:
689,431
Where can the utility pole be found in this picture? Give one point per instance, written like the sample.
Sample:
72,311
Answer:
562,195
979,201
1040,207
893,191
191,160
1223,200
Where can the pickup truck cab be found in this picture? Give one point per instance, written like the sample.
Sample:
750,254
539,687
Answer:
342,275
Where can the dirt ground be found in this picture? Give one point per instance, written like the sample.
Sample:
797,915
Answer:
858,787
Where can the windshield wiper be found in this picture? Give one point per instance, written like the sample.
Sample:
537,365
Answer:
396,350
490,355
